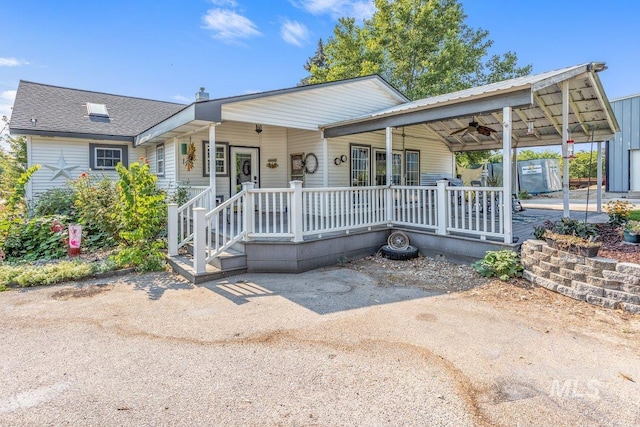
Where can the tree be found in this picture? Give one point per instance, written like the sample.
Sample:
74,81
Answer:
13,162
422,47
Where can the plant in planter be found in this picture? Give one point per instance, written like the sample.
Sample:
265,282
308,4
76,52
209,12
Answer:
588,247
632,231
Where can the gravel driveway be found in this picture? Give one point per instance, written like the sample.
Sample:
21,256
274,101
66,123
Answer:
336,346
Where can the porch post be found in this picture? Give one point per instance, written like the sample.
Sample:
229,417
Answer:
212,166
507,168
248,209
565,137
599,178
172,229
199,240
296,211
389,165
442,206
325,161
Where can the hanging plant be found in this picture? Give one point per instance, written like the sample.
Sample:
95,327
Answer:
191,156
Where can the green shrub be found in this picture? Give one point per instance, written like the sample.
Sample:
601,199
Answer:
503,264
14,211
57,201
635,215
48,274
524,195
95,206
41,238
141,212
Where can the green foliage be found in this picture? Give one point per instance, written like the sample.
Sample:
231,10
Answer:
13,162
141,212
503,264
585,165
534,155
95,203
422,47
524,195
40,238
180,196
57,201
566,227
635,215
13,212
48,274
618,211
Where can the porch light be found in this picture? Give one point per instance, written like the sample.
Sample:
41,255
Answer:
530,130
183,149
258,129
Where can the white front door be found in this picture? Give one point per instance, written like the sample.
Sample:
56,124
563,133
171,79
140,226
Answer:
244,167
634,171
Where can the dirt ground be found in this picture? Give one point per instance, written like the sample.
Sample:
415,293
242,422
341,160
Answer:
374,342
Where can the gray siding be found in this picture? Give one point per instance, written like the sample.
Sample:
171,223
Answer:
627,112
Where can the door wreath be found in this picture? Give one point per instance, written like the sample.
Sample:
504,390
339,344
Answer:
191,156
246,168
310,163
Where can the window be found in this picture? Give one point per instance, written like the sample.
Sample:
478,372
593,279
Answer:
107,156
412,167
160,159
381,168
360,165
220,159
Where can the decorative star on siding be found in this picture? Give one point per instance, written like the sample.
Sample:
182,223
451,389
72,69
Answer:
61,169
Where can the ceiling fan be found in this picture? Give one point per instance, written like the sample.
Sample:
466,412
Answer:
474,126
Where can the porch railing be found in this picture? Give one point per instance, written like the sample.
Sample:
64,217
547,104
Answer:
336,209
295,213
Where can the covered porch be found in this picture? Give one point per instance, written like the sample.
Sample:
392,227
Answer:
546,109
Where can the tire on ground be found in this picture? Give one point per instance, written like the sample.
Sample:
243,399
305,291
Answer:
399,254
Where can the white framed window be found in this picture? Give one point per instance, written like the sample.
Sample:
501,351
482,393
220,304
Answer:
412,166
220,159
360,165
105,157
381,167
160,159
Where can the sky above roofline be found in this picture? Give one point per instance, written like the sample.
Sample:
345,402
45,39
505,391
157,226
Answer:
166,50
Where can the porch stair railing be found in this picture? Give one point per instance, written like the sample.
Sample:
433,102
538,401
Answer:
181,220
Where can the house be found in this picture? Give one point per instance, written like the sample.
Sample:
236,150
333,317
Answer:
623,151
301,177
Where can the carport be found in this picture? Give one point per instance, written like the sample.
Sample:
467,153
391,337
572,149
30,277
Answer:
560,107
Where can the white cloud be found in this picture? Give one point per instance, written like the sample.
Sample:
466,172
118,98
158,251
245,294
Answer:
12,62
294,33
6,102
181,98
8,95
229,26
225,3
359,9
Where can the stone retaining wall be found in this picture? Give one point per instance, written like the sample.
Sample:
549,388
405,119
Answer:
599,281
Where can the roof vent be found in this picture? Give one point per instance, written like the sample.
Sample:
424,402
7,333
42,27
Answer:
97,110
202,95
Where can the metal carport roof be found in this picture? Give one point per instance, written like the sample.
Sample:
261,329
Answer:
536,98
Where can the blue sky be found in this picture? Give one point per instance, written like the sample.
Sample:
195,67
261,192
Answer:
168,49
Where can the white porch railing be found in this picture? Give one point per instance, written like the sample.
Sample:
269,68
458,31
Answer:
195,190
180,220
335,209
294,213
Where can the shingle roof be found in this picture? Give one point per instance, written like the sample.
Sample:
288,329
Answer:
60,109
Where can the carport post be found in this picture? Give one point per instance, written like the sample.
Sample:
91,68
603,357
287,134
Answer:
599,177
172,229
507,168
199,240
565,153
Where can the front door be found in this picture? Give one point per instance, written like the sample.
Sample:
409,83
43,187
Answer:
244,167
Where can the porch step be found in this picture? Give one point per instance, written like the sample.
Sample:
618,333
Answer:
183,265
633,195
229,260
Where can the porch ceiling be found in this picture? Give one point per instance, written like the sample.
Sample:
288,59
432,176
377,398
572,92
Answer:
536,99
